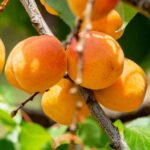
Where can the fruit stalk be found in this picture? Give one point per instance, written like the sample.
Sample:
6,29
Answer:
74,33
112,132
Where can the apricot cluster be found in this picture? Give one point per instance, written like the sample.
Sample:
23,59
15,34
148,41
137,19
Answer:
100,7
39,63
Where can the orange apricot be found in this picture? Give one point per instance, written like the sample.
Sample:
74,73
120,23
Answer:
128,92
109,24
48,8
2,55
100,7
9,71
103,61
60,105
36,63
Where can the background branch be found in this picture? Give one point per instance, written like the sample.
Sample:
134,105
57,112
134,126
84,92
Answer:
142,5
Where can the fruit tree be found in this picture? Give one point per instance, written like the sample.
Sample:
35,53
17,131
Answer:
87,61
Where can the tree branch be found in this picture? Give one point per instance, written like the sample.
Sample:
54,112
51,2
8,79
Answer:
93,105
142,5
112,132
36,18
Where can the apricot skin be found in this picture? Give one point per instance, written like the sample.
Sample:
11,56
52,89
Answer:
109,24
128,92
100,8
60,105
36,64
2,55
102,59
9,71
48,8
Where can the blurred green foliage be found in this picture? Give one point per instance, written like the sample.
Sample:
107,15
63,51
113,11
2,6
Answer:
22,135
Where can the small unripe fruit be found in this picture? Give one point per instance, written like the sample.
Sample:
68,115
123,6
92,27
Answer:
100,7
127,93
48,8
36,63
103,61
2,55
60,104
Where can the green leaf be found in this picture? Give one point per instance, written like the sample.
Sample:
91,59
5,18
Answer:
119,125
6,119
33,137
47,146
127,12
137,134
6,145
91,134
135,40
63,147
63,11
57,131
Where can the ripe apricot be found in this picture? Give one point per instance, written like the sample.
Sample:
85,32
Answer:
109,24
127,93
103,60
100,7
2,55
36,63
60,105
48,8
9,72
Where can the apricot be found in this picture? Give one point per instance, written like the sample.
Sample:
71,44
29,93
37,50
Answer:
100,7
36,63
103,61
60,105
128,92
2,55
109,24
48,8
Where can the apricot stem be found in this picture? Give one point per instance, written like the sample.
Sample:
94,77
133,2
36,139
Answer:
73,33
13,113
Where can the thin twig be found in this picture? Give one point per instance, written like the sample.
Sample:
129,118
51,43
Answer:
73,126
74,33
13,113
142,5
82,39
